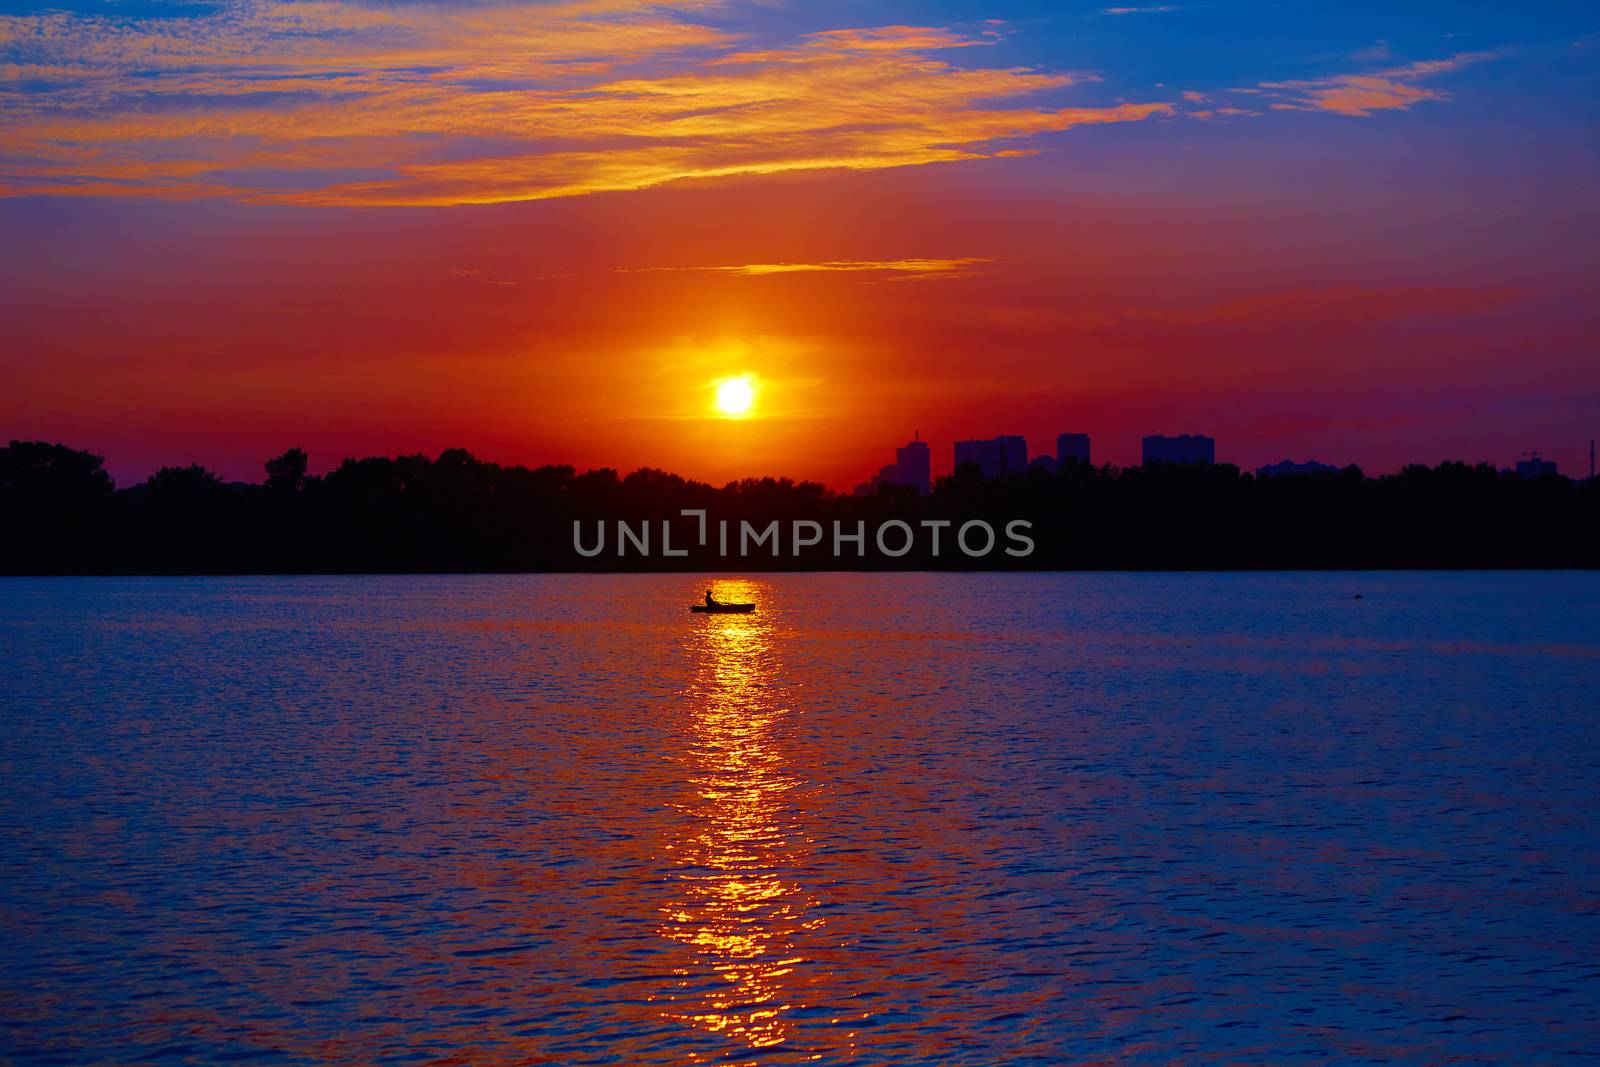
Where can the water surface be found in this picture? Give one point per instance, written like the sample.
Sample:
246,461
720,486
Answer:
965,819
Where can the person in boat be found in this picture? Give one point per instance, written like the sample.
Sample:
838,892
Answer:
709,602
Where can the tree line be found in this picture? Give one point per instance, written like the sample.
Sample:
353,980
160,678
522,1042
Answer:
61,513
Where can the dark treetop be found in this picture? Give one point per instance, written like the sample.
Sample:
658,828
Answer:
61,514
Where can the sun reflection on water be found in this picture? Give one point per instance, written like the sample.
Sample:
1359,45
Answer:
736,904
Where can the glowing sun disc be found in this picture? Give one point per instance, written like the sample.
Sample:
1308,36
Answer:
735,395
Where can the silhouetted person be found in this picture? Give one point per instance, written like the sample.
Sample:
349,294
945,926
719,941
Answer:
709,602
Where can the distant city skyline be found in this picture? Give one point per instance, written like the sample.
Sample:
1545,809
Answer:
1178,448
1005,454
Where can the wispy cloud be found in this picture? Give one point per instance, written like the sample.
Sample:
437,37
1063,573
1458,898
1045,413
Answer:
354,103
903,39
1390,89
1376,52
897,269
1148,9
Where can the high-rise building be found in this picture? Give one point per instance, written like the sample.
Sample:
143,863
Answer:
1288,467
994,457
915,464
1185,448
1534,467
1074,446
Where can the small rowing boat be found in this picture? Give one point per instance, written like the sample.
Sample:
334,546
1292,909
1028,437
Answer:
722,609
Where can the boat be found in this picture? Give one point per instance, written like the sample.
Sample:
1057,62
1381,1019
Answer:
722,609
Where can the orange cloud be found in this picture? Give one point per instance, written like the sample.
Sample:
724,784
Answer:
898,269
1221,112
339,102
1362,94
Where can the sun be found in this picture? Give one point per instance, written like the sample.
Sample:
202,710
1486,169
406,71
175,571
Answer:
735,396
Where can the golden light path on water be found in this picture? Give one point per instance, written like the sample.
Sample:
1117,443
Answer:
735,904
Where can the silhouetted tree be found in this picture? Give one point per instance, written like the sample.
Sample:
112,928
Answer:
287,473
37,474
53,502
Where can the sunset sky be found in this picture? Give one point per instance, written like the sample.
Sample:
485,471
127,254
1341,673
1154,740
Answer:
546,232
